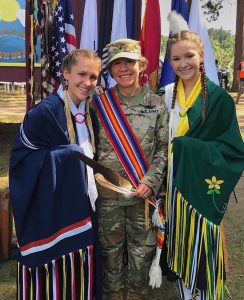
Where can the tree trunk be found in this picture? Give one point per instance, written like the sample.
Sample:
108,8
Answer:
239,41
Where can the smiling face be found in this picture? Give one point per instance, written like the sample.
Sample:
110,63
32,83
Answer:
185,59
82,78
126,72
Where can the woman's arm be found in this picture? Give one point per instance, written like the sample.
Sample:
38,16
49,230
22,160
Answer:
157,169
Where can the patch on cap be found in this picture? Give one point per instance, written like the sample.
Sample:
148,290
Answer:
126,48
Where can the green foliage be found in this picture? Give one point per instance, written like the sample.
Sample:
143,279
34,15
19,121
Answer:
7,280
164,40
223,46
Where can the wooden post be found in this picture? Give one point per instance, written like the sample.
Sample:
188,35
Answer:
6,224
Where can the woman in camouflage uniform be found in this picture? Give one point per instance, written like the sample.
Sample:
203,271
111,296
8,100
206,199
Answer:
127,246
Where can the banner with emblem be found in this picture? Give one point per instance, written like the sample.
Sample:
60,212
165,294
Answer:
12,34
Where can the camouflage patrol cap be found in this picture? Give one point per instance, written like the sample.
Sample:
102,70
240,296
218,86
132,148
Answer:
126,48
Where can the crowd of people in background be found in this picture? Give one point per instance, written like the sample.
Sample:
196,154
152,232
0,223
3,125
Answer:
223,75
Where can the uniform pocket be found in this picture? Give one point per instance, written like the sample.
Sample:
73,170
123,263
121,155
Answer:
151,237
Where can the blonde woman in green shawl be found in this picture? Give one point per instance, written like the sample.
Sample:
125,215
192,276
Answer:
206,160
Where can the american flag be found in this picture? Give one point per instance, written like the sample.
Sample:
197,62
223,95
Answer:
63,39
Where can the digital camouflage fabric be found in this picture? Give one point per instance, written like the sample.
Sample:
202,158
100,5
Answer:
125,48
121,218
148,118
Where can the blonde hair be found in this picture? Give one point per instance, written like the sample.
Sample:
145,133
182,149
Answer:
187,35
71,58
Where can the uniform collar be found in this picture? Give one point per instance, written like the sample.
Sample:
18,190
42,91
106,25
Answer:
138,99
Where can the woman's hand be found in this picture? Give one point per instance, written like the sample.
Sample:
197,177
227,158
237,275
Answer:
143,191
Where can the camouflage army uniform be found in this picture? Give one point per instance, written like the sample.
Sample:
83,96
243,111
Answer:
121,219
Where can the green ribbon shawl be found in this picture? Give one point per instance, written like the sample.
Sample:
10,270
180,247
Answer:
207,163
214,148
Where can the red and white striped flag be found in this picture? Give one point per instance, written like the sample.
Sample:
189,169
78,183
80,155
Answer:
63,39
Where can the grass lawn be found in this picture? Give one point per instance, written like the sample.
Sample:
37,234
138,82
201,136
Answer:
234,224
7,280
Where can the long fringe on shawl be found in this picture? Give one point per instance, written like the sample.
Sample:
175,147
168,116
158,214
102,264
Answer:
70,277
189,236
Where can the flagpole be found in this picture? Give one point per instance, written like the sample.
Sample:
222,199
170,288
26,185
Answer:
29,50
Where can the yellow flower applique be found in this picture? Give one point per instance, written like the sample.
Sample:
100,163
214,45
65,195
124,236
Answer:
214,188
214,184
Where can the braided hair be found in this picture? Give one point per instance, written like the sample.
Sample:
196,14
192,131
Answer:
204,89
175,91
192,37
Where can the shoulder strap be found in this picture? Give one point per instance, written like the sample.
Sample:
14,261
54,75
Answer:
121,135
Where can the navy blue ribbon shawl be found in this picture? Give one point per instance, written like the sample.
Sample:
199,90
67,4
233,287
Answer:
48,186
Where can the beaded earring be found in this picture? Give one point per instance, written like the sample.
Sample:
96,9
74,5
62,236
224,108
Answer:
65,84
201,67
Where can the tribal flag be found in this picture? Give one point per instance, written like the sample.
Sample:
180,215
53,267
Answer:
133,18
130,18
89,33
105,29
119,30
196,24
168,75
63,39
150,41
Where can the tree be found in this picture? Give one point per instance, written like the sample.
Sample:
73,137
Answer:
211,8
239,42
222,42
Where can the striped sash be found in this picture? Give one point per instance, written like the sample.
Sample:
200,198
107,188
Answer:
121,135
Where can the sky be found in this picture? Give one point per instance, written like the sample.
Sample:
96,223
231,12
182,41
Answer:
226,20
227,17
